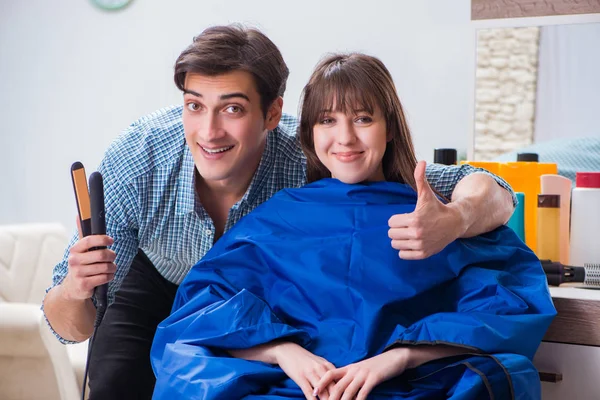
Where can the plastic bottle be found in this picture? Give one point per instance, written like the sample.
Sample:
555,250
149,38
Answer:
585,219
528,157
556,184
445,156
548,223
517,220
490,166
525,177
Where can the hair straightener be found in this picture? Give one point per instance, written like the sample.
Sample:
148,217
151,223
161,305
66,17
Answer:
90,207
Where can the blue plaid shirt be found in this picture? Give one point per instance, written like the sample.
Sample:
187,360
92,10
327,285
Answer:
151,203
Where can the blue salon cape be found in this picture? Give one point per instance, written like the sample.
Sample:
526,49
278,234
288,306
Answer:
315,266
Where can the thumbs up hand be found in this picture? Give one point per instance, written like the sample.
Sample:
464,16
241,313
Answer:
427,230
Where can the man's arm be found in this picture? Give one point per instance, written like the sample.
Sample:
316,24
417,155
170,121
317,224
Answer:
489,198
68,305
480,203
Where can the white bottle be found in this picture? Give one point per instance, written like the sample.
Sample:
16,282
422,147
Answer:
585,219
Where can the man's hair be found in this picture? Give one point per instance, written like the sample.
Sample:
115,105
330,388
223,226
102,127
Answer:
222,49
351,82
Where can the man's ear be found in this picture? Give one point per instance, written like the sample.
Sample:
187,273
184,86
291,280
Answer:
274,114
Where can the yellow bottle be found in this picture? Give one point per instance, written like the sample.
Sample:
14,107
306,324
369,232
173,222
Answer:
548,224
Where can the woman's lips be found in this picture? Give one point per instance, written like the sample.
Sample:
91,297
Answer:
348,156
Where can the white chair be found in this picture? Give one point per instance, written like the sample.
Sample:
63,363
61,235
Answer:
28,253
33,364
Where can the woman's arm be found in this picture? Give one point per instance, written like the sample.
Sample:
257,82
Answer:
358,380
303,367
264,353
419,355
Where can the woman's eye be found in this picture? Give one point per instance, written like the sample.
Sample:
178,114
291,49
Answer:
193,106
326,121
364,120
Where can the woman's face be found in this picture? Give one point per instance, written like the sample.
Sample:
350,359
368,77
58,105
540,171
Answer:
351,146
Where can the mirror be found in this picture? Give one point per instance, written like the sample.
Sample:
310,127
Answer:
535,84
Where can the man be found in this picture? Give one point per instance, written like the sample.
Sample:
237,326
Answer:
169,199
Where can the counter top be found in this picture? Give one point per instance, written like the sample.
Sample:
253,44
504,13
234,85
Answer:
566,292
578,318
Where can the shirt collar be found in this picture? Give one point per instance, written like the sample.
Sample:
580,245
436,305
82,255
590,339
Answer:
186,195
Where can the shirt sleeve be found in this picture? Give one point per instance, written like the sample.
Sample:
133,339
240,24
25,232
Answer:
121,225
444,178
289,124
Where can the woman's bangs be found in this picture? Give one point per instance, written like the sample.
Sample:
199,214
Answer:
342,92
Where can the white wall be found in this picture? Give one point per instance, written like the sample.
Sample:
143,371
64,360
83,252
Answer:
72,76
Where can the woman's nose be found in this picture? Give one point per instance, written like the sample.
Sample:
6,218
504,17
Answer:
346,134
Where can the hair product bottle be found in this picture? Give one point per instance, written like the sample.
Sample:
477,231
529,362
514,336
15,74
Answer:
517,220
585,219
548,223
556,184
445,156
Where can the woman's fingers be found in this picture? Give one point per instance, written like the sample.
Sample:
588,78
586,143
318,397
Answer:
306,388
327,379
340,387
353,387
366,389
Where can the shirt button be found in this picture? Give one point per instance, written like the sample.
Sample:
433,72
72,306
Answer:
208,232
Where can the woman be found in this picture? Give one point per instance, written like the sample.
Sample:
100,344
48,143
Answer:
301,299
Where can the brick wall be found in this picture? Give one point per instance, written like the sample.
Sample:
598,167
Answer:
505,90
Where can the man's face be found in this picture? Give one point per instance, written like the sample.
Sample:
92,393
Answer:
224,126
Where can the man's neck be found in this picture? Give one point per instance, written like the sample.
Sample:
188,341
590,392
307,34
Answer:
232,189
224,191
217,201
218,197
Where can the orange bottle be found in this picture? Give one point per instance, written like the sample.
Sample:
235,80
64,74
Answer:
493,167
525,177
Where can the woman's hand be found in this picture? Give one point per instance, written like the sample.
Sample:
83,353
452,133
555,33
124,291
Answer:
304,368
355,381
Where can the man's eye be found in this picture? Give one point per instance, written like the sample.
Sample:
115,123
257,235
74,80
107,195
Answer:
234,109
193,106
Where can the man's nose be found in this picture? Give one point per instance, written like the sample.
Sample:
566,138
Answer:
210,128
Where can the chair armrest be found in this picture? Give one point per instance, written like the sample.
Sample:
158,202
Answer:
24,333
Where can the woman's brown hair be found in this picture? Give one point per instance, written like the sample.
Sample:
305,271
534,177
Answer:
356,82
